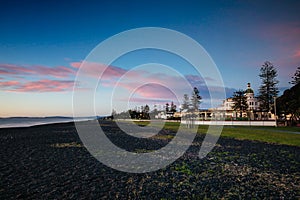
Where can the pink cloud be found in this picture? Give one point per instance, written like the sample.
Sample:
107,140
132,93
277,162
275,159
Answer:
76,64
145,84
95,69
37,86
9,69
154,91
154,87
57,72
166,87
160,80
3,72
297,54
195,79
135,100
9,83
285,40
284,32
152,94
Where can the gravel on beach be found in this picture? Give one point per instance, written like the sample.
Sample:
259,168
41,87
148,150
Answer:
50,162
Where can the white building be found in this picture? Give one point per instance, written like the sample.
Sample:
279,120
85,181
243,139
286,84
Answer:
226,105
253,102
253,110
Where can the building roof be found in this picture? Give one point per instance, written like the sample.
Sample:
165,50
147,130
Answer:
249,90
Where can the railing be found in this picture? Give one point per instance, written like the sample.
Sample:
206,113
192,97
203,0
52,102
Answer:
232,123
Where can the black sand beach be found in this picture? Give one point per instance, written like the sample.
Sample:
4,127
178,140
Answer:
50,162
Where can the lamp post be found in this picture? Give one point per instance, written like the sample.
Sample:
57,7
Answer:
275,111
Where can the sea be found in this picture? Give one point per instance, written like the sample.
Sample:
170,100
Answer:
33,121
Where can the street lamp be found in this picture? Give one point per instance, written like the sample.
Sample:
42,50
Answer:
275,111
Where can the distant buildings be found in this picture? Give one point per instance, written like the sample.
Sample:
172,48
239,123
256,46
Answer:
253,112
253,102
224,111
169,112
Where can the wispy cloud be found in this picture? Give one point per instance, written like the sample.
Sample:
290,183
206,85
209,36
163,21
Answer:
37,86
297,54
151,85
286,36
155,85
140,100
35,78
155,91
195,80
284,32
57,72
8,84
94,69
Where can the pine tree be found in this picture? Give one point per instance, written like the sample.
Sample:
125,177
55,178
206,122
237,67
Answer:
268,89
167,107
185,104
296,77
240,101
195,99
289,104
173,107
145,112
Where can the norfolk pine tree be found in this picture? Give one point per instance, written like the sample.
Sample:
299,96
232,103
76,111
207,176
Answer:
240,101
195,99
268,88
296,77
185,104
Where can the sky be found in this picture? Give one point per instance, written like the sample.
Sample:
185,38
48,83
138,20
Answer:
43,45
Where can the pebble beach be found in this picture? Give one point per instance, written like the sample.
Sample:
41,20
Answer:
50,162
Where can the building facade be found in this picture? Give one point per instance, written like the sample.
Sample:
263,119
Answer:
225,111
253,102
253,112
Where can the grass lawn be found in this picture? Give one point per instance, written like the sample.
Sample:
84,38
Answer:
278,135
265,134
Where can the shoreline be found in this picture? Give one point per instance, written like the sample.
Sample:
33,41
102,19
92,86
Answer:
43,121
30,122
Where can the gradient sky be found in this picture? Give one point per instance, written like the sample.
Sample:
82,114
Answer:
43,43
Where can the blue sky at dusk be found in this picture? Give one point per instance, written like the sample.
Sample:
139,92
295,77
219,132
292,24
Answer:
43,44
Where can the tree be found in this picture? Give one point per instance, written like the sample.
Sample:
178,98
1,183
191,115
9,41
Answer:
289,104
123,115
113,112
185,104
268,89
145,112
167,107
240,101
133,114
296,77
146,109
195,99
173,107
